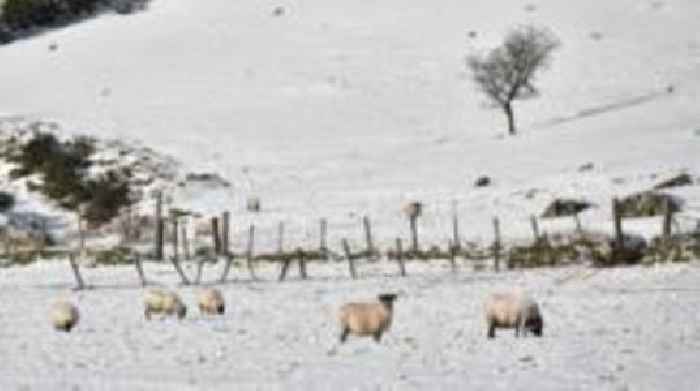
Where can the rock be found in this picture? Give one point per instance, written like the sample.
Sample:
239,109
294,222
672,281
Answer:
586,167
565,207
648,203
483,181
252,204
683,179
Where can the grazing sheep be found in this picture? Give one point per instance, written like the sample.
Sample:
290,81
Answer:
158,301
64,316
211,302
513,310
367,319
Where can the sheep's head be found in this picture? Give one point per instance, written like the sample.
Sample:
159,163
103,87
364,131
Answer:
387,299
181,311
536,325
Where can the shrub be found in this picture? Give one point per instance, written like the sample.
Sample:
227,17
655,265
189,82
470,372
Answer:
63,168
7,201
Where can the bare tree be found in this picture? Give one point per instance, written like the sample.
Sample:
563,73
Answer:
507,72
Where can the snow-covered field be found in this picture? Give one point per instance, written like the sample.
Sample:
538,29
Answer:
344,109
612,329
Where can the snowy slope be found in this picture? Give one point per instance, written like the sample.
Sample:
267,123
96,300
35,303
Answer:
340,110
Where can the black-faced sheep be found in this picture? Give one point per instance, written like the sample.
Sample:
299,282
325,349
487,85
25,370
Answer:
367,319
211,302
64,316
513,310
159,301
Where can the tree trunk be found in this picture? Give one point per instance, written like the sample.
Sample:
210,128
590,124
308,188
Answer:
508,109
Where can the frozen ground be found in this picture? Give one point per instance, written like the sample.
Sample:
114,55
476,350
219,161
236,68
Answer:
614,329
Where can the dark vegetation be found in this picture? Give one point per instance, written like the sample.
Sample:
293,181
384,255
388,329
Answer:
20,17
62,167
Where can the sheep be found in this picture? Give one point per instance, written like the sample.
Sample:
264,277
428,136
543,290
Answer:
64,316
164,302
413,209
367,319
513,310
211,302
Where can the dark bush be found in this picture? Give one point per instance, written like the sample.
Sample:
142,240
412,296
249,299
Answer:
7,201
63,168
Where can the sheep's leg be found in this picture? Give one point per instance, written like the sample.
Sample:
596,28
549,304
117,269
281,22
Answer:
377,336
147,313
344,334
492,330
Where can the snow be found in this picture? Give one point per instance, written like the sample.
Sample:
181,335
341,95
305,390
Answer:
339,110
611,329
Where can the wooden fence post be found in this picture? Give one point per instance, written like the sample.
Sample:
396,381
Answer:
453,255
399,257
76,271
535,228
225,232
413,219
280,238
158,251
368,237
200,267
302,263
185,243
180,272
323,247
497,244
456,243
249,252
176,245
667,221
139,269
227,267
351,261
617,221
216,239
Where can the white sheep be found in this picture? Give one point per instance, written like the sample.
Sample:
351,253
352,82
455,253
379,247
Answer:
159,301
367,319
513,310
64,316
211,302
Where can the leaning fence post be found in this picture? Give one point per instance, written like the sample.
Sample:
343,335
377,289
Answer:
76,271
178,269
139,269
368,237
351,260
227,267
497,244
285,267
399,257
